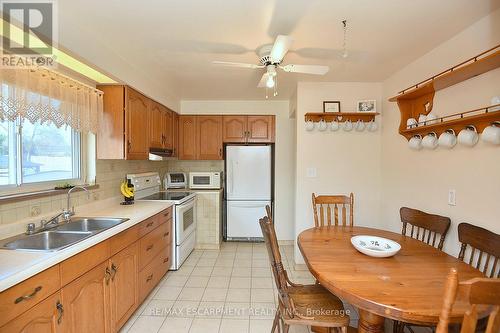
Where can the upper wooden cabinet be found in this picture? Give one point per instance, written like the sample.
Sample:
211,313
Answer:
187,138
175,136
131,124
209,131
248,129
200,137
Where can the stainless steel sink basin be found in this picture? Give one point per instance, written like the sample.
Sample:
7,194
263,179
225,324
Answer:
91,224
46,241
61,235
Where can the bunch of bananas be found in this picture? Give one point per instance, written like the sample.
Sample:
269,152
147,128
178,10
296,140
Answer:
128,192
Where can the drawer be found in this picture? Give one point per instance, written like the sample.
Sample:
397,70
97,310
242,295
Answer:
166,215
34,290
166,260
83,262
148,225
151,244
151,275
123,239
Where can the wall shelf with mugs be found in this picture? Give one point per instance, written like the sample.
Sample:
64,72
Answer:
347,120
421,126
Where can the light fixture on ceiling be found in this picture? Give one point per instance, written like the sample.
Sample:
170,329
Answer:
270,82
345,54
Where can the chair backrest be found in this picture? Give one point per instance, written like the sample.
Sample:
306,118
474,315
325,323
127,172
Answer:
329,207
424,227
484,244
478,291
273,252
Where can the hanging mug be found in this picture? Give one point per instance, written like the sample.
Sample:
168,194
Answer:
322,125
348,126
309,125
360,126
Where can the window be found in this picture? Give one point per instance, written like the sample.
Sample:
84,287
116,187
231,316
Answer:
35,153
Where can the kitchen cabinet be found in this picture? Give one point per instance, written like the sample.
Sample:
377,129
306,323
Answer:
86,302
156,126
187,138
45,317
137,119
260,129
168,128
249,129
209,131
234,129
96,290
123,287
200,137
175,132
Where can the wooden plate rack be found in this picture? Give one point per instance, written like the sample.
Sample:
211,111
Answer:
341,116
418,99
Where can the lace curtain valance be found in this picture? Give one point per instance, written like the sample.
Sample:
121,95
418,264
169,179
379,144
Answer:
47,96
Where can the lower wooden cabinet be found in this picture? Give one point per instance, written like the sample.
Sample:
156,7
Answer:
86,302
101,295
123,287
45,317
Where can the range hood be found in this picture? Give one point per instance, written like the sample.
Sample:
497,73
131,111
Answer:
161,154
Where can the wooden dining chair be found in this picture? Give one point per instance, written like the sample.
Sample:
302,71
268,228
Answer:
329,205
424,227
307,305
483,244
475,292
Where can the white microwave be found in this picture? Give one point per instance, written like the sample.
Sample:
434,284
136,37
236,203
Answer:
205,180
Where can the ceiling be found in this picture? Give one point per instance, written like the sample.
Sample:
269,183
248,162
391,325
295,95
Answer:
176,40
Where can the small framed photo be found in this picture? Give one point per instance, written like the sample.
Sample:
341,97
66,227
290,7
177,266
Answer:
369,105
331,106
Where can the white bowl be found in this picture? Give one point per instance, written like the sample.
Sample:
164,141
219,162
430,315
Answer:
375,246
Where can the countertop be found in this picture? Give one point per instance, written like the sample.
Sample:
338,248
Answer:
19,265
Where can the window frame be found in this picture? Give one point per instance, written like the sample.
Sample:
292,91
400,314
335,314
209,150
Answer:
78,147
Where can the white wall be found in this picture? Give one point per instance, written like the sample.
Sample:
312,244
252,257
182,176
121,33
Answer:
422,179
285,150
345,161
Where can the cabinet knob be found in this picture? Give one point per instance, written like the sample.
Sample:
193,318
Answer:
150,276
60,310
149,247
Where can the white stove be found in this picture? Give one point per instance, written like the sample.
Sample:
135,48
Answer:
147,188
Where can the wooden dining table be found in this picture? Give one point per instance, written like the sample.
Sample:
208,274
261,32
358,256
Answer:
407,287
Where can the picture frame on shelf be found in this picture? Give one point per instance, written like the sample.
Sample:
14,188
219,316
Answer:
331,106
367,105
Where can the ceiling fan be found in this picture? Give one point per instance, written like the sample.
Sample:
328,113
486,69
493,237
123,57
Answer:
271,57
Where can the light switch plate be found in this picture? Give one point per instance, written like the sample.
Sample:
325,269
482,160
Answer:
452,197
311,172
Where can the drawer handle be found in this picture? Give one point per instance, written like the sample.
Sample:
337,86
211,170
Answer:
26,297
166,214
60,309
165,260
149,247
166,234
150,276
149,224
107,275
114,268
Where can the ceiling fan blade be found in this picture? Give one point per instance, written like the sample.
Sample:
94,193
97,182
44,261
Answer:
280,48
236,64
286,16
306,69
263,80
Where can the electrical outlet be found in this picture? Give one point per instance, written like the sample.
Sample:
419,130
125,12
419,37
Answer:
452,198
311,172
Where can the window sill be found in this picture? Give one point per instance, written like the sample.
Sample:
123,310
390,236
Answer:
4,199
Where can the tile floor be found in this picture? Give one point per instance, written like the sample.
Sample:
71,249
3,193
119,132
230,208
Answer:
230,290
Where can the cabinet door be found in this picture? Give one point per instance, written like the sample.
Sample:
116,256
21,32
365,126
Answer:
123,289
137,118
234,128
156,127
45,317
187,138
168,133
260,129
175,134
110,144
209,130
86,302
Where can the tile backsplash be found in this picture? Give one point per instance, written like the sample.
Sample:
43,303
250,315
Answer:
109,174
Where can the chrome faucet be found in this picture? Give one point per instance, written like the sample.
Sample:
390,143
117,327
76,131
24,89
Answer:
70,212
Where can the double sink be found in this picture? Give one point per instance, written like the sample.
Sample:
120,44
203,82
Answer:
61,235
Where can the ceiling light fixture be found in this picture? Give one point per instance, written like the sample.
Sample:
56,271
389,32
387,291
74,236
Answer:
270,82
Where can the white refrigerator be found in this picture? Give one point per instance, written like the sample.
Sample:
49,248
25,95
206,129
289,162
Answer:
248,190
